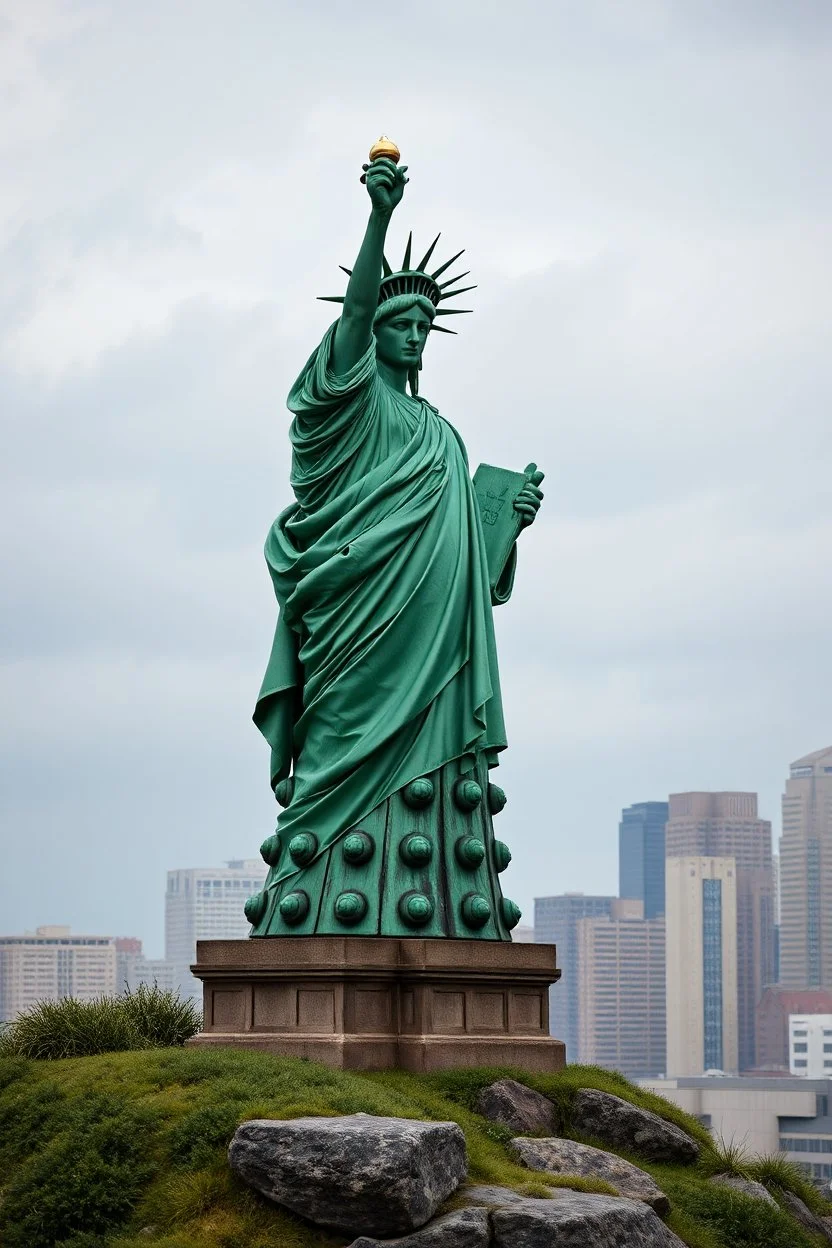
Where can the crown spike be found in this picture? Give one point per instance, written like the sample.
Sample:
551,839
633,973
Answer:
451,293
406,261
446,265
451,280
331,298
453,311
385,265
440,329
423,263
345,270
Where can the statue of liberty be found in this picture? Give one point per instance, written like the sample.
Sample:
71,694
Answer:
381,699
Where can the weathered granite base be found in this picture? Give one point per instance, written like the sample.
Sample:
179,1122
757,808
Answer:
377,1002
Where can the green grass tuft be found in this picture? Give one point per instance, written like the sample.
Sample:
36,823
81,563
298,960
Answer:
776,1171
140,1019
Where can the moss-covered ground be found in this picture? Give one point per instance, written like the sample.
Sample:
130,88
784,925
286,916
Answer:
128,1150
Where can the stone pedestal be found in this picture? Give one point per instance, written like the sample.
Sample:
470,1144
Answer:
378,1002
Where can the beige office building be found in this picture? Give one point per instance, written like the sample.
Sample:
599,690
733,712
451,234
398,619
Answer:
621,990
806,874
49,964
206,903
701,979
727,825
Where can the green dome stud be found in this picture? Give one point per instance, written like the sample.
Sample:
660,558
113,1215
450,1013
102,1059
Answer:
419,793
358,848
476,910
416,850
415,909
502,855
467,794
255,907
469,852
270,850
512,913
350,908
496,798
284,791
303,848
294,907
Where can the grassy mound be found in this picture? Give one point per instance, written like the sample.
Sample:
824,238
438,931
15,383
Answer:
141,1018
128,1150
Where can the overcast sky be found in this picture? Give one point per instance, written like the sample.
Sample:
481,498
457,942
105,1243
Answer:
643,190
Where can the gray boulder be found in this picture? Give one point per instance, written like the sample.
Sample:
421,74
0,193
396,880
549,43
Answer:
517,1107
491,1194
357,1174
579,1220
803,1214
747,1187
623,1125
465,1228
566,1157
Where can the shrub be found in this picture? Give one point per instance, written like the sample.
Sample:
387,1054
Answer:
142,1019
85,1183
735,1219
162,1019
776,1171
196,1139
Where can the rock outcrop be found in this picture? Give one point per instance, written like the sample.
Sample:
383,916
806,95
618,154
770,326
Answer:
801,1212
358,1174
556,1156
746,1186
623,1125
465,1228
517,1107
575,1220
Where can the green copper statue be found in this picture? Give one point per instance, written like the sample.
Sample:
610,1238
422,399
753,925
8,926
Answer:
381,700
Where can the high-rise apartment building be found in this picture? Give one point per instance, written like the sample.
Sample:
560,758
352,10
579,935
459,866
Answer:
206,903
726,825
621,991
773,1013
641,855
49,964
806,874
810,1045
701,980
555,920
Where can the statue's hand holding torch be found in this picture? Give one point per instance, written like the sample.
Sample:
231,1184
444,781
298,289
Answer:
384,177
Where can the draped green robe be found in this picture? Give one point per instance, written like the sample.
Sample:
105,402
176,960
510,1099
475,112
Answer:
383,666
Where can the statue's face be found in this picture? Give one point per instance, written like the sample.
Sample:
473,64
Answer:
400,339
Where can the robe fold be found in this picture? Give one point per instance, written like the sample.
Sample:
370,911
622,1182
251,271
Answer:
383,666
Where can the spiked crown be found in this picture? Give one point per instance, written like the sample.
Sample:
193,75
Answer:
418,281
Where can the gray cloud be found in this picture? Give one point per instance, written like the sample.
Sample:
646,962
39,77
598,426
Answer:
644,194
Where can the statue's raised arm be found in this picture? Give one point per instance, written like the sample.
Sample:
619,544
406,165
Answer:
385,181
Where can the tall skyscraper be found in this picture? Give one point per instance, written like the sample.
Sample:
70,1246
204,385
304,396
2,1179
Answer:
49,964
726,825
806,874
621,991
641,855
555,920
206,903
701,980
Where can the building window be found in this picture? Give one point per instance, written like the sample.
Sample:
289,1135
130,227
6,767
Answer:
800,1061
801,1048
712,971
